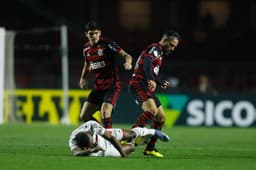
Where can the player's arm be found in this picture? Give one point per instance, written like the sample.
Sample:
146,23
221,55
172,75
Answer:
147,67
115,143
113,46
85,151
128,59
85,71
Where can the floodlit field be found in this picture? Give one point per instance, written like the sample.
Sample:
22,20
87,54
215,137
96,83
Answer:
45,147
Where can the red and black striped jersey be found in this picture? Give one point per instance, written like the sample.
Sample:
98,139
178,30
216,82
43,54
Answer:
148,64
101,59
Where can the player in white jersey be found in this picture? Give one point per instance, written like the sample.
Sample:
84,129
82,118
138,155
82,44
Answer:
91,139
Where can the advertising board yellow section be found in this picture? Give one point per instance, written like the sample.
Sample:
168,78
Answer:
47,105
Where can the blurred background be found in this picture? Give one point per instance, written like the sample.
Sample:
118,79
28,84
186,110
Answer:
217,39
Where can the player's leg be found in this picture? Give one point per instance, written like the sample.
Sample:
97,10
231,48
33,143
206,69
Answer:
157,123
149,104
109,101
141,95
91,106
88,110
128,135
106,111
144,134
149,110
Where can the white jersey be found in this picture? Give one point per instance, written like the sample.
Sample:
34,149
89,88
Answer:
97,131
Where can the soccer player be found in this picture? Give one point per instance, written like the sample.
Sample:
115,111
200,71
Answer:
92,139
144,82
99,58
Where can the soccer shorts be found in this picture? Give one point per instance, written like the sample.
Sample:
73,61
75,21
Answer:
108,96
140,93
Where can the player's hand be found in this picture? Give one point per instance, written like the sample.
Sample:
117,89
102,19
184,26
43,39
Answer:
166,84
123,154
127,66
152,85
82,83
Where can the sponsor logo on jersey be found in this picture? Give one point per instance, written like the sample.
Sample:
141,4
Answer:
98,65
100,52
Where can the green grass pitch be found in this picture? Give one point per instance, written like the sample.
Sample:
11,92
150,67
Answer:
45,147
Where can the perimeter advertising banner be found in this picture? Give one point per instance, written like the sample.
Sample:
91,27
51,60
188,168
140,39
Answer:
180,109
198,110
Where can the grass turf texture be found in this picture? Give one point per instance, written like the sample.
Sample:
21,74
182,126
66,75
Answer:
45,147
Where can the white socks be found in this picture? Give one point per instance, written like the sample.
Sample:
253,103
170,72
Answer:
141,132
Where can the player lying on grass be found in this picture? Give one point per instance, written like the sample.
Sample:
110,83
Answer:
92,139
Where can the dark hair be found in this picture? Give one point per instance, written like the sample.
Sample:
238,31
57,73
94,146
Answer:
172,33
91,25
82,140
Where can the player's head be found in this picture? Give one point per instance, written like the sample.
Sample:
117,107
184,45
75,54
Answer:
83,140
92,32
170,41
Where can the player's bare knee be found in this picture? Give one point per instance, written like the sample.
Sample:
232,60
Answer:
129,135
153,110
105,114
82,117
160,118
106,110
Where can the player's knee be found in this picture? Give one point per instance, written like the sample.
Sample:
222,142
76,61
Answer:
83,117
129,135
160,118
153,110
106,110
105,114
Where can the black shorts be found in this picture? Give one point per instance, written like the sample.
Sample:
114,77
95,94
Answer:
108,96
140,93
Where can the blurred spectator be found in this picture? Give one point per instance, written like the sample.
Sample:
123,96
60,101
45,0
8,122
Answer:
205,86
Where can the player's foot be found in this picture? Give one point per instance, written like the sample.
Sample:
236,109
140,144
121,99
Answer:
153,152
162,136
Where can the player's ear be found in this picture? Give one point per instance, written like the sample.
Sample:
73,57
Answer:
164,39
86,34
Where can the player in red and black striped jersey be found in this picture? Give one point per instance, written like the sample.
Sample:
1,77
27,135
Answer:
144,81
99,58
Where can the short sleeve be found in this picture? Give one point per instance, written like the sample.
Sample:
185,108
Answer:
113,46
